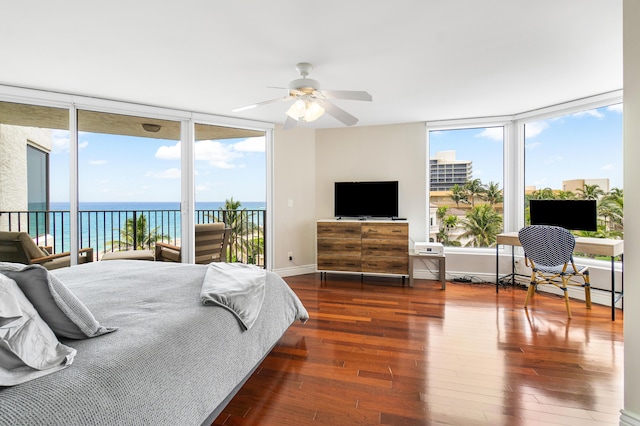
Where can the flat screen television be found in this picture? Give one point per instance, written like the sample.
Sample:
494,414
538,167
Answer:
575,215
366,199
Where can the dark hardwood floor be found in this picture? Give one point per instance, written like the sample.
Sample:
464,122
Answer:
379,353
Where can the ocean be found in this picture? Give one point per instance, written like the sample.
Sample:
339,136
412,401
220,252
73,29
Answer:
101,222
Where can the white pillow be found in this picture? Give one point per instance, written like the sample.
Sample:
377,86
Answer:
28,347
57,305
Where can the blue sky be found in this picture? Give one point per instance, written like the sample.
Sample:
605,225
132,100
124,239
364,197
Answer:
585,145
126,168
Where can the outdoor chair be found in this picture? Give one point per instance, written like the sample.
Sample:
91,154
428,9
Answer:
18,247
548,251
211,241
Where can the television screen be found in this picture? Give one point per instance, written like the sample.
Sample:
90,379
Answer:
366,199
575,215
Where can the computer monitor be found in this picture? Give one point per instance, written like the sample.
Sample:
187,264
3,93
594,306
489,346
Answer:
575,215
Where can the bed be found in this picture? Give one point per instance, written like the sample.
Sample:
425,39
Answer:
172,360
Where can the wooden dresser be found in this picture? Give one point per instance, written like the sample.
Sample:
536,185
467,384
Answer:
380,247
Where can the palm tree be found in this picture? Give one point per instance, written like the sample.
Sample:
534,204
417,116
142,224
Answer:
544,194
137,235
482,224
590,192
450,222
441,213
492,193
610,208
245,235
473,187
458,195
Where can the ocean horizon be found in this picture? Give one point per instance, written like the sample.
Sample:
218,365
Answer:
150,205
98,225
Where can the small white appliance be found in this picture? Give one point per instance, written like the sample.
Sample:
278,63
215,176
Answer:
429,248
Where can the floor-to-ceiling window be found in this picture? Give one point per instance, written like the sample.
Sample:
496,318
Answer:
578,156
466,186
230,186
128,181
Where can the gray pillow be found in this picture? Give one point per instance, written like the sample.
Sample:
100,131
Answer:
57,305
28,347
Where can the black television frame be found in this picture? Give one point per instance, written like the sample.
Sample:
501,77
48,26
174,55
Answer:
364,199
575,215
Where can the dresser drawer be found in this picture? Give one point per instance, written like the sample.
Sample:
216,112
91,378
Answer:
398,231
339,246
386,265
343,263
388,247
338,230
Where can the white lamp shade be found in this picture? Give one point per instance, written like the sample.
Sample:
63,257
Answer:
305,110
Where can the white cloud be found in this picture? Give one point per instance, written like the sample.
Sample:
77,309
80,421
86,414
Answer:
169,152
257,144
97,162
532,145
553,159
172,173
589,113
217,154
615,108
534,129
493,133
60,141
607,167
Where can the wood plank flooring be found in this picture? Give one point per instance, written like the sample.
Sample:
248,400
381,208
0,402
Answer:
380,353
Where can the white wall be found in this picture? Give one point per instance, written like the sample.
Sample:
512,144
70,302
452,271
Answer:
631,13
391,152
294,201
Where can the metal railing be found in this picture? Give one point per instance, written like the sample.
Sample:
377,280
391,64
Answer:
117,230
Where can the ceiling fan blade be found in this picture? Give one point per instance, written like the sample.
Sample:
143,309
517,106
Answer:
289,123
338,113
244,108
354,95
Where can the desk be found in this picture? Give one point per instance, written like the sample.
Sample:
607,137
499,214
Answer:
442,270
588,245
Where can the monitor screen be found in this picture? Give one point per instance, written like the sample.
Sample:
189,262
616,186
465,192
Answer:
366,199
575,215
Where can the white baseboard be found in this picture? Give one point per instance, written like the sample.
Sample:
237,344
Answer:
627,418
600,297
296,270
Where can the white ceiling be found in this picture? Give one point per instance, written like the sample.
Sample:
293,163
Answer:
420,59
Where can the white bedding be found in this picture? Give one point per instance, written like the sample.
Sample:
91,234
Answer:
172,359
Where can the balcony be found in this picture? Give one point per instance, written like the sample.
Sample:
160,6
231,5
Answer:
111,230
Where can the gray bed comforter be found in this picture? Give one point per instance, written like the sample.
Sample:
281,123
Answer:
172,360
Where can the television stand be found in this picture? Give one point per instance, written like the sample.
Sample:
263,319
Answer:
363,246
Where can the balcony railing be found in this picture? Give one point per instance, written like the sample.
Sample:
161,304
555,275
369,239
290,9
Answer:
110,230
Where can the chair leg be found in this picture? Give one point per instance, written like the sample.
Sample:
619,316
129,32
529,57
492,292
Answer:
587,291
566,302
530,292
565,290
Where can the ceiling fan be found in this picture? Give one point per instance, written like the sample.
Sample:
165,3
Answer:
311,102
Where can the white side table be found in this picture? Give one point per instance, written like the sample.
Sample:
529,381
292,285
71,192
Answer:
441,265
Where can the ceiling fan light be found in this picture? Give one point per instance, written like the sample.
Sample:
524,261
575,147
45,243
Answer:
297,110
314,111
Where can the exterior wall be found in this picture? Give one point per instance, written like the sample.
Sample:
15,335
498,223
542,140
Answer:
13,164
575,184
445,171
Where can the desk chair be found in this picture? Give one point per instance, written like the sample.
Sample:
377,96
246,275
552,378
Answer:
548,251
